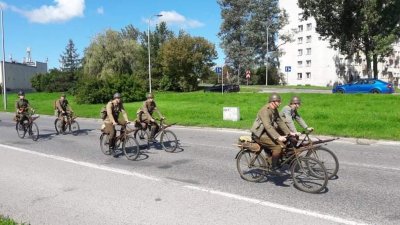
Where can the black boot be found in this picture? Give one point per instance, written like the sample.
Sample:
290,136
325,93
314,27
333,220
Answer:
275,166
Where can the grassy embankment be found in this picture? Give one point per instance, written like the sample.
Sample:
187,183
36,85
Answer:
359,115
8,221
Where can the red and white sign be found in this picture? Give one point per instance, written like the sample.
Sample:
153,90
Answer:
248,73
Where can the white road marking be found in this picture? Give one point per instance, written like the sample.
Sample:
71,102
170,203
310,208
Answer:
370,166
210,191
278,206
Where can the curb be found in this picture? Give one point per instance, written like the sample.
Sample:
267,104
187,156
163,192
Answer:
357,141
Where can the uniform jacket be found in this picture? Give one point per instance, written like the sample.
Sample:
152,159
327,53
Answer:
288,115
113,112
22,104
62,105
146,111
266,121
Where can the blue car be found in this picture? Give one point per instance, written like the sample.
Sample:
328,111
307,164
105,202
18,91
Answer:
365,86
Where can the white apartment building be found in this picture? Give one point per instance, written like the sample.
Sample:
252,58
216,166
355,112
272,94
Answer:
309,60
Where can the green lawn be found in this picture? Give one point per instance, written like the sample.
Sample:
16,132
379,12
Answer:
8,221
358,115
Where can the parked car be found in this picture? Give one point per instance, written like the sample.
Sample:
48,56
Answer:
365,86
227,88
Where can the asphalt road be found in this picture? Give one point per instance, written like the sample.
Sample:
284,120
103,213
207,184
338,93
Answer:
65,179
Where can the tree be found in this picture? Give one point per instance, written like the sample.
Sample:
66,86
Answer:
352,26
184,61
111,53
244,30
70,60
158,37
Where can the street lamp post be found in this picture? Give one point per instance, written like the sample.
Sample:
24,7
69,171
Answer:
266,58
2,66
148,47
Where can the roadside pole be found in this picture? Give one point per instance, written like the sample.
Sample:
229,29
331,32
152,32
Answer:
222,80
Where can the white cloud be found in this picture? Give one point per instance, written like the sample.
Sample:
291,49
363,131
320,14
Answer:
100,10
61,11
174,18
3,5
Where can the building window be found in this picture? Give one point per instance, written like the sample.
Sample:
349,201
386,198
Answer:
300,40
300,28
299,76
308,39
300,16
308,63
308,51
300,52
300,63
309,26
308,75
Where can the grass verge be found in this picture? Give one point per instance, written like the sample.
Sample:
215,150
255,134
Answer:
7,221
359,115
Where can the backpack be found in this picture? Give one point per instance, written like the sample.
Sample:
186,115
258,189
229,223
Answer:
103,113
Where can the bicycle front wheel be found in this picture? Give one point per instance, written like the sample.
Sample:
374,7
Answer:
21,130
142,138
131,148
58,125
34,131
327,157
74,127
251,166
309,175
168,141
104,144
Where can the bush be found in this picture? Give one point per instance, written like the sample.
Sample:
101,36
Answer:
54,81
100,90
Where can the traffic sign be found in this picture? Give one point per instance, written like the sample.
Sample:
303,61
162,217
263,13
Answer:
218,70
248,73
288,68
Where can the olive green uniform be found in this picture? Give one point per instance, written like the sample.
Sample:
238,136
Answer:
22,106
113,111
266,126
145,114
289,115
63,105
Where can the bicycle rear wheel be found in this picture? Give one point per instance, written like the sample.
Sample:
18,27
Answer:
131,148
34,131
142,137
104,144
74,127
309,175
168,141
251,166
21,129
327,157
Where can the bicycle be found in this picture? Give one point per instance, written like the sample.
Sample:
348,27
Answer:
28,126
308,174
323,154
69,121
168,139
130,146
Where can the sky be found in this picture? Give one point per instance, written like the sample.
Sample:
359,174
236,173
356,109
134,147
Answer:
45,26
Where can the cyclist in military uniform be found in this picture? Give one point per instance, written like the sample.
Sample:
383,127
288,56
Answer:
289,114
22,107
145,114
114,108
270,130
63,109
